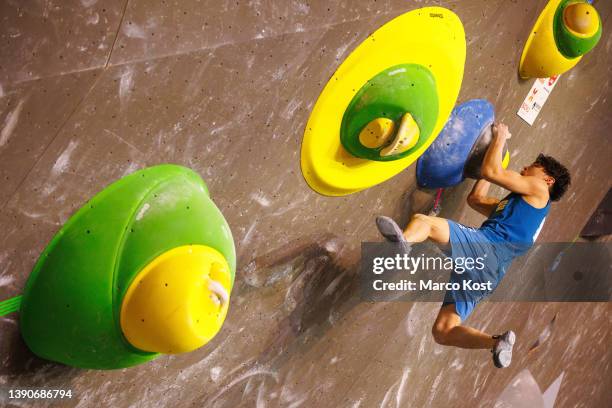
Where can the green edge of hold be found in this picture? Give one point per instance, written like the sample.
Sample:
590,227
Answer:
391,93
10,305
568,44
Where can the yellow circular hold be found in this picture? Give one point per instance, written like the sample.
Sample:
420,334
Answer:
581,19
432,37
178,302
377,133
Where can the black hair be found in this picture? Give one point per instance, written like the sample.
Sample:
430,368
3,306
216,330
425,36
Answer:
559,172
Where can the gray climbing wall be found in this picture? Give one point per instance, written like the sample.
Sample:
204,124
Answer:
93,90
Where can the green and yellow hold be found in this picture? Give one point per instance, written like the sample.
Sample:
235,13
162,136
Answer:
386,103
564,32
145,267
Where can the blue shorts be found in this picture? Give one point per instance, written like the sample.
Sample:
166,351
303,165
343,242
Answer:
488,266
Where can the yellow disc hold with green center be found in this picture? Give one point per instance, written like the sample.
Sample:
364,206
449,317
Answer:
432,38
564,32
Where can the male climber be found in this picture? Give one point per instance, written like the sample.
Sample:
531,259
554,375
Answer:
511,228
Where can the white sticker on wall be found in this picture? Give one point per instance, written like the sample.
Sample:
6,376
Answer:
535,100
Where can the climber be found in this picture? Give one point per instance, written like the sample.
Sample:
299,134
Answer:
511,228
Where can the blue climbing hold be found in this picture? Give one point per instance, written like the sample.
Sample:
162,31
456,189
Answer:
466,132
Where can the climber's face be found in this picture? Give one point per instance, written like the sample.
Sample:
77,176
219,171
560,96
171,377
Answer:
534,170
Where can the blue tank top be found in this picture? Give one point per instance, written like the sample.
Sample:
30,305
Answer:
516,224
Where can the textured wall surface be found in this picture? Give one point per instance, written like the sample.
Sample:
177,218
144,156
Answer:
93,90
